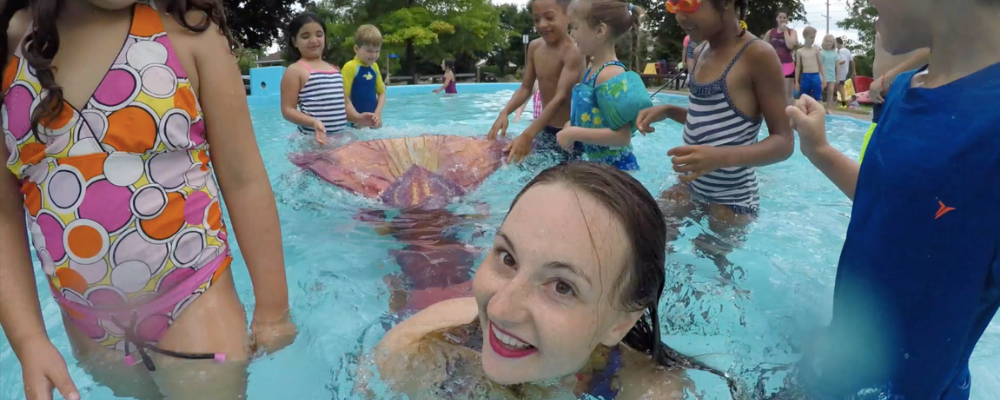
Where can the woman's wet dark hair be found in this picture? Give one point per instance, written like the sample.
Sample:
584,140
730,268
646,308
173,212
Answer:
293,30
42,43
621,18
641,285
450,64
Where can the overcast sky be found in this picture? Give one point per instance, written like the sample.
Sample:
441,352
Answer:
814,13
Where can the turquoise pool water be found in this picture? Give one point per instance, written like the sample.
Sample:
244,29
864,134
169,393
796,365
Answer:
336,263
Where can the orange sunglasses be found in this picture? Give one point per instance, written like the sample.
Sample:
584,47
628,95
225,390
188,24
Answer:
688,6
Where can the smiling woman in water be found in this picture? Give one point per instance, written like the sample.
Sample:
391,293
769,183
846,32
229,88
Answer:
565,303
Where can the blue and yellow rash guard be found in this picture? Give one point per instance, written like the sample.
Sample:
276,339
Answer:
362,84
919,276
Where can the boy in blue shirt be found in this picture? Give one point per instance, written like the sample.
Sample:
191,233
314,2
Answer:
919,276
363,84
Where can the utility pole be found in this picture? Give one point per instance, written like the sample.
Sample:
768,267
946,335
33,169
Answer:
827,17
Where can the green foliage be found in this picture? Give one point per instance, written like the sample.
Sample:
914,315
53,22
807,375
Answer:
422,32
517,22
861,18
256,24
669,38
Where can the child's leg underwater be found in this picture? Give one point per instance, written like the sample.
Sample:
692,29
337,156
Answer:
213,323
729,228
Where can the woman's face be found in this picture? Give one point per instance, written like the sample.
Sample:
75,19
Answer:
702,24
905,26
587,38
782,19
311,40
545,291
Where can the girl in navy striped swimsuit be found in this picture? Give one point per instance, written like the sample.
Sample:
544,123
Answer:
736,85
312,90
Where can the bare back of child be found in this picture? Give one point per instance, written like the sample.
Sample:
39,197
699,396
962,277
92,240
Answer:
556,64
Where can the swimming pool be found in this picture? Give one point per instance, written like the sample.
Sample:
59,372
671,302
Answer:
336,263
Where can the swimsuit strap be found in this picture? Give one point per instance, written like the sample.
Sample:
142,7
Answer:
303,62
731,63
593,78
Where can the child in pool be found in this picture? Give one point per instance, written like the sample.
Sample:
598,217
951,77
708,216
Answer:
113,178
917,281
536,106
830,59
312,90
449,77
736,84
809,77
363,84
564,304
555,62
606,104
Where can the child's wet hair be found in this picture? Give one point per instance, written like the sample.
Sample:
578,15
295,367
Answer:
41,45
295,26
621,18
641,284
368,35
809,31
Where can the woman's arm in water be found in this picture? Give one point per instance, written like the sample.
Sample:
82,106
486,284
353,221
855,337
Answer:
291,84
398,355
243,180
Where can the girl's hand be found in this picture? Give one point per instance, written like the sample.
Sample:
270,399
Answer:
809,119
499,126
798,87
272,332
694,161
376,120
368,119
650,116
320,129
43,369
566,138
436,91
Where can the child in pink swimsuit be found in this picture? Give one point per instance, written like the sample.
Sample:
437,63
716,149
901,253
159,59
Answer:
121,201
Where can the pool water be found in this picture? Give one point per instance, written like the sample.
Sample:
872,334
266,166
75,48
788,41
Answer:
336,263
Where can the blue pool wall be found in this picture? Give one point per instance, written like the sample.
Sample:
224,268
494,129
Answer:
270,77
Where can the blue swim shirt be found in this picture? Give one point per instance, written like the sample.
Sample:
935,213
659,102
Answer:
919,275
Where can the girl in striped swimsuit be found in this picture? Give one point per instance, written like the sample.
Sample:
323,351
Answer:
736,84
312,90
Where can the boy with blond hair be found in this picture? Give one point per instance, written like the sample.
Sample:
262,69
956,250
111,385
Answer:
363,86
809,77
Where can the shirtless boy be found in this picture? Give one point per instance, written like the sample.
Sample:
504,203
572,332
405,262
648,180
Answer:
809,77
556,63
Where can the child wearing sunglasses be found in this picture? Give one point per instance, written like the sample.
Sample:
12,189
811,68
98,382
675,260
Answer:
919,275
737,84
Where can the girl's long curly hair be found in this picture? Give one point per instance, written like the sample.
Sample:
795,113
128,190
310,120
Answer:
42,43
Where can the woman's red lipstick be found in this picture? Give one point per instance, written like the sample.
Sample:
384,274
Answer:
506,352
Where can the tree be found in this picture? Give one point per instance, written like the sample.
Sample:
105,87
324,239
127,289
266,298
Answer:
256,24
669,37
460,29
517,22
861,18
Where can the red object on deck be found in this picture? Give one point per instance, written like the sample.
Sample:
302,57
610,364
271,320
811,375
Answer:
862,83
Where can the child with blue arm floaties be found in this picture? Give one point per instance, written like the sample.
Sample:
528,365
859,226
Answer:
605,106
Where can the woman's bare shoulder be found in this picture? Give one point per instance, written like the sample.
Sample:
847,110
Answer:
642,379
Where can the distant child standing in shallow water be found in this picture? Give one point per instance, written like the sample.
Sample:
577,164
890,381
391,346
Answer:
312,90
448,86
830,59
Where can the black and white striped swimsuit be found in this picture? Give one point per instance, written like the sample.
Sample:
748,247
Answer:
713,120
323,98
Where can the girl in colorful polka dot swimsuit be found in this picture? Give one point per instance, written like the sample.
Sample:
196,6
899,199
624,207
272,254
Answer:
113,178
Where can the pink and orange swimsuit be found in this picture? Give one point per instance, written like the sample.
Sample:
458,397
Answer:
121,199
